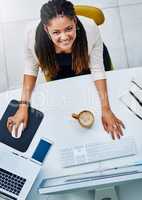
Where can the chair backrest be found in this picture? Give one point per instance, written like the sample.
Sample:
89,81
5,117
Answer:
91,12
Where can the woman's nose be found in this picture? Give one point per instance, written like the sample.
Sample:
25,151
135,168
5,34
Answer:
63,36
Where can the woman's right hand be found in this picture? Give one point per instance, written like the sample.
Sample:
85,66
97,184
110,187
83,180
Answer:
21,116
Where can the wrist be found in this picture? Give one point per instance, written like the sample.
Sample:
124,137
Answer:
105,103
24,104
106,108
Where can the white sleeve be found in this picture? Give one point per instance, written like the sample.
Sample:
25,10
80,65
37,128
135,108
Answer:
31,61
96,56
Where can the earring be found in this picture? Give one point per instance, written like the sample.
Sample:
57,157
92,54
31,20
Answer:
49,36
46,30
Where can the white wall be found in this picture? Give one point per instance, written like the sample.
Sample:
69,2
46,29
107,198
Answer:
121,32
14,17
3,72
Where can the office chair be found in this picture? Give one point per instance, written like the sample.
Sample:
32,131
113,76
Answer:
97,15
91,12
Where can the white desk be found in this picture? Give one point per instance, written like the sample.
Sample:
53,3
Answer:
58,100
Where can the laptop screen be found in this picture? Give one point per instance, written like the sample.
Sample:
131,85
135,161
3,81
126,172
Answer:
41,150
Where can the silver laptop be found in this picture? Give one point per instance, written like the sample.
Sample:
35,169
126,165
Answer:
18,173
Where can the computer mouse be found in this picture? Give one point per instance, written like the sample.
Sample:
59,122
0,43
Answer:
19,133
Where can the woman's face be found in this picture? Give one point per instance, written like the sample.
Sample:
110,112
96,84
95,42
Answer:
62,31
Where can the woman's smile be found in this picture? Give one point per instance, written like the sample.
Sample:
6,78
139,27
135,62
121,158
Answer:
62,31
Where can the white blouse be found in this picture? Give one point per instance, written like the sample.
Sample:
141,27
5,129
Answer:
95,49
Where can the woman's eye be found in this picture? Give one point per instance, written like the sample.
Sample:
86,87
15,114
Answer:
55,33
69,28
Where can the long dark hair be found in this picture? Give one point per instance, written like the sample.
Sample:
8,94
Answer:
44,46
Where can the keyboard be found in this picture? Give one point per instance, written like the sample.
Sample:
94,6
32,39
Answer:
95,152
11,182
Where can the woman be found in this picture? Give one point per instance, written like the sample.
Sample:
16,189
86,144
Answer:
63,46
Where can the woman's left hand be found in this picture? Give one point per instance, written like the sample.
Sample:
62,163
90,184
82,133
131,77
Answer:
112,124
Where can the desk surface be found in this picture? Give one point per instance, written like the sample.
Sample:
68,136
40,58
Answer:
59,99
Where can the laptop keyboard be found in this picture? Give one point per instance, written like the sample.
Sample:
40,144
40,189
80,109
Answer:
11,182
95,152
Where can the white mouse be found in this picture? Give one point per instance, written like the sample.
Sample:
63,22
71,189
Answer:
19,133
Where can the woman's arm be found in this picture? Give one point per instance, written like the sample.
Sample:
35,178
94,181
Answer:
30,77
110,122
21,115
103,94
28,86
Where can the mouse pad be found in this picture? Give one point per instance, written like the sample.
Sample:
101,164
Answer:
22,143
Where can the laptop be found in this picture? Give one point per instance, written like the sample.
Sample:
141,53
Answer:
18,173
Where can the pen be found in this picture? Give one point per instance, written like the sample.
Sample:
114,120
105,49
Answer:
15,153
137,84
136,98
131,110
134,113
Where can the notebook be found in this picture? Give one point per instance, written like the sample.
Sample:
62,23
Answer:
22,143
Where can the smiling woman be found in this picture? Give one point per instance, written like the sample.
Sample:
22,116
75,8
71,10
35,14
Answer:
64,45
63,32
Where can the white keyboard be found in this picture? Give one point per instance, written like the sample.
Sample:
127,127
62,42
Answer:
95,152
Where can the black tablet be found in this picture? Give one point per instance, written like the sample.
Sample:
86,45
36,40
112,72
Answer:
22,143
